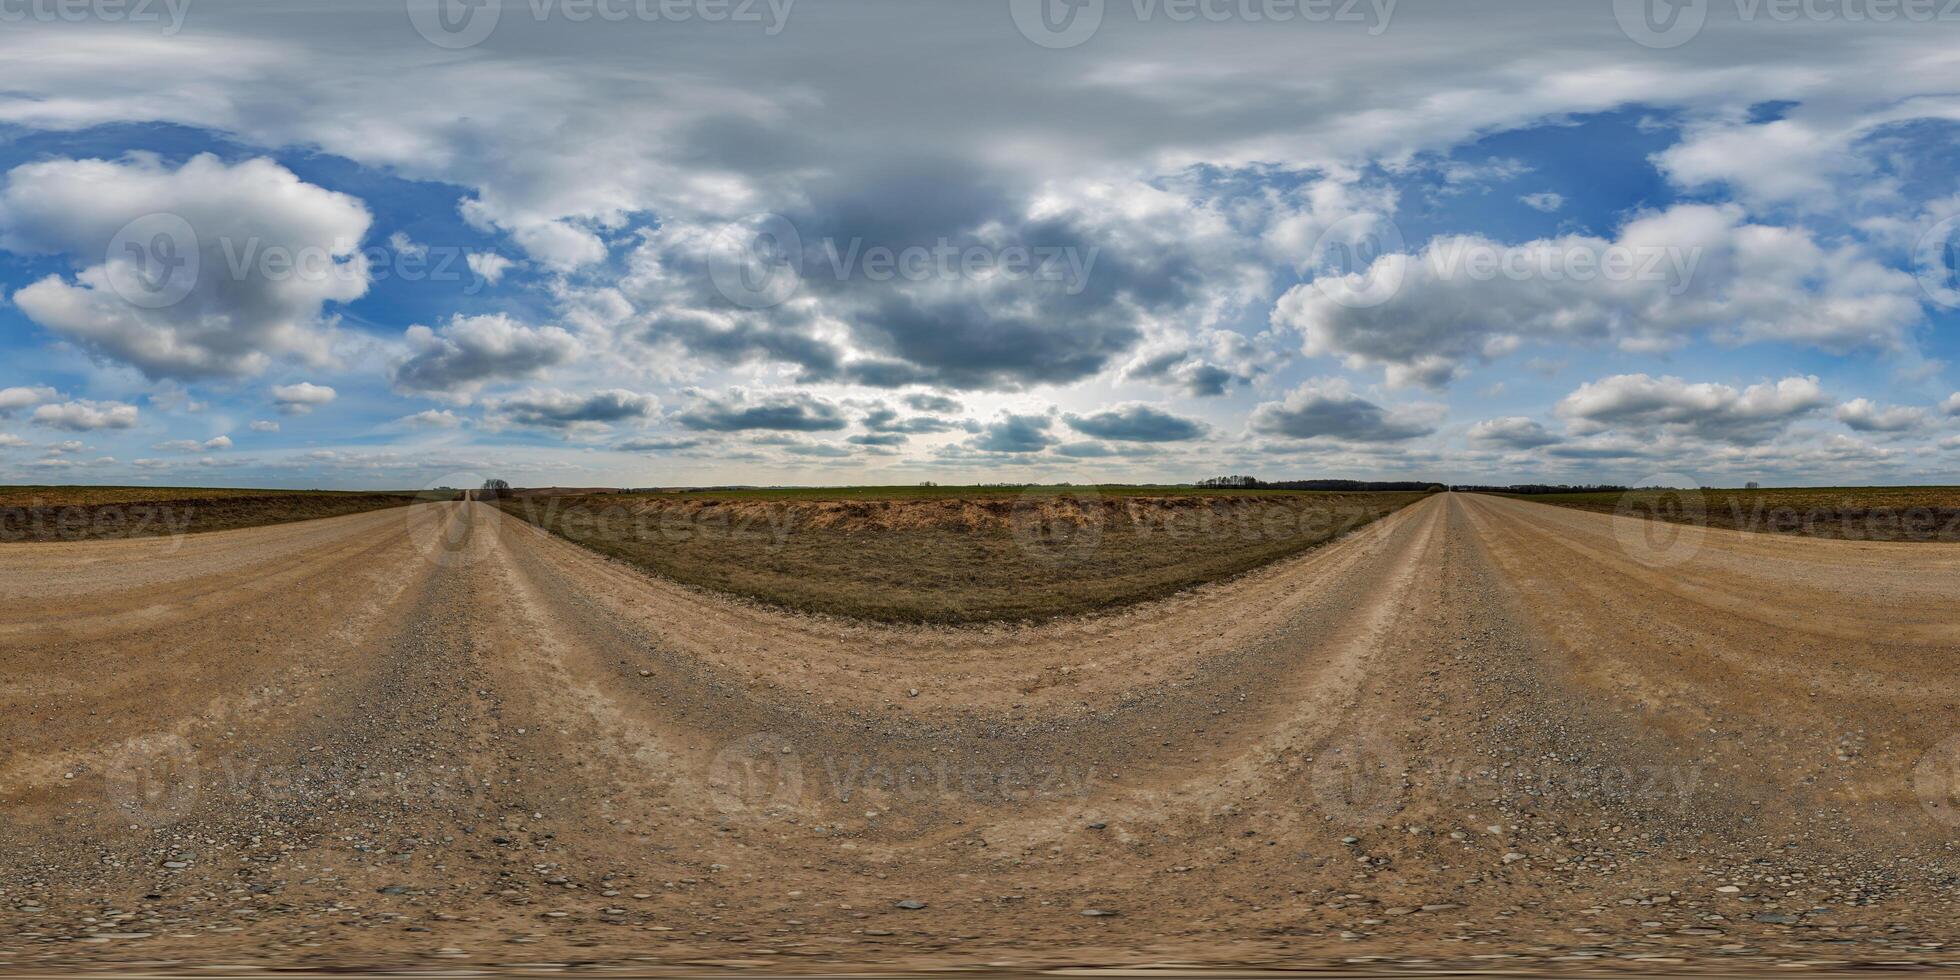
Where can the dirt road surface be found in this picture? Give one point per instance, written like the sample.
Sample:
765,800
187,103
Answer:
1479,733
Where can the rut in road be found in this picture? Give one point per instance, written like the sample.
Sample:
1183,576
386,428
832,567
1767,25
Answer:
1462,729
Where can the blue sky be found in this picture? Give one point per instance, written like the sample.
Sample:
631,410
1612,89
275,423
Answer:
636,251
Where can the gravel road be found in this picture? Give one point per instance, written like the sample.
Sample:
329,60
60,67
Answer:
1479,733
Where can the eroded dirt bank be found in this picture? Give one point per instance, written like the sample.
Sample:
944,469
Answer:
1476,732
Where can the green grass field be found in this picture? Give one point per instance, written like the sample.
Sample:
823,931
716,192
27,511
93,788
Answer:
954,554
1849,513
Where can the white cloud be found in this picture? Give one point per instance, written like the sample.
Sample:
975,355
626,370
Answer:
1546,201
14,399
1637,403
264,425
1328,408
85,416
1865,415
301,398
1952,404
432,419
460,357
1691,270
488,266
1515,432
202,291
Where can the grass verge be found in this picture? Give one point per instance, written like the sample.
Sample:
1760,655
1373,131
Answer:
74,513
953,555
1848,513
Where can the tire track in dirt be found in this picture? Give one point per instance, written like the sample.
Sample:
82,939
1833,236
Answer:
462,739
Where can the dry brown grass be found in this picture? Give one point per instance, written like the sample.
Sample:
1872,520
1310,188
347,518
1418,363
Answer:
1851,513
953,558
74,513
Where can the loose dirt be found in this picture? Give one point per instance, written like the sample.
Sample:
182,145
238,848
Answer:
1478,733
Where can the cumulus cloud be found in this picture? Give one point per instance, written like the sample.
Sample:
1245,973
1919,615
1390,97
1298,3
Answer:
1328,408
883,418
460,357
193,445
1013,433
1716,412
554,409
15,399
1865,415
1952,404
432,418
205,270
302,397
1513,432
789,412
85,416
1546,201
488,266
943,405
1136,423
1691,270
264,425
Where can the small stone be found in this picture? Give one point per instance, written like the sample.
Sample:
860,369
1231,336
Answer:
1098,825
646,673
911,904
911,692
1513,857
1098,913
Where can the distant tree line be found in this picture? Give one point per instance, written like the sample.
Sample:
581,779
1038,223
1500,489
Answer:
1253,483
1543,488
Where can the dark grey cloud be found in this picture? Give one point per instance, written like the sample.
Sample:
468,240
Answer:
1330,410
469,351
1136,423
878,439
1514,432
941,405
795,412
563,410
1013,433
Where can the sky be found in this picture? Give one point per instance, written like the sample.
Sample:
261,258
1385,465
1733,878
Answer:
375,244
